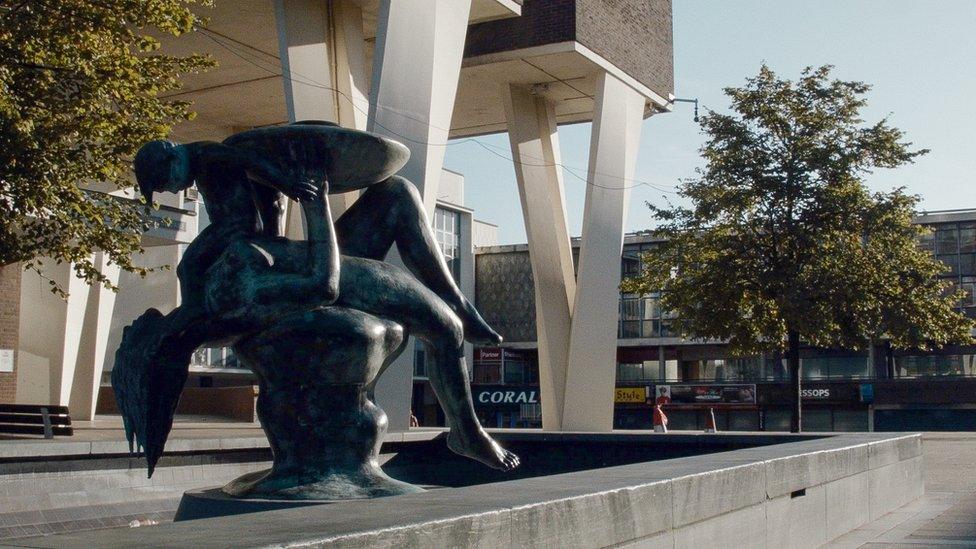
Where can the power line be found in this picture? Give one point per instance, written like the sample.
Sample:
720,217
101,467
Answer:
301,79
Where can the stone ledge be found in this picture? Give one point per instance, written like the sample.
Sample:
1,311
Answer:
687,499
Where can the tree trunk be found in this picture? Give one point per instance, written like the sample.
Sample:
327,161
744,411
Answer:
793,362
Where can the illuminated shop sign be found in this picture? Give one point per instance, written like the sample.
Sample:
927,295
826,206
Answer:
506,395
815,394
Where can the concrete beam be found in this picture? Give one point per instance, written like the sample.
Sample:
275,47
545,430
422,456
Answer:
535,149
591,376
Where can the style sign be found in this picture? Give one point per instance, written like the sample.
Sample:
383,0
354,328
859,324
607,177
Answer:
630,395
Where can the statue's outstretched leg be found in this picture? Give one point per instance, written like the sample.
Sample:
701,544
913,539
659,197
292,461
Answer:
390,213
385,290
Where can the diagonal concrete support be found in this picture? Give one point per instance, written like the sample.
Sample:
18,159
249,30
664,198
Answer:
535,149
416,65
323,64
591,377
94,343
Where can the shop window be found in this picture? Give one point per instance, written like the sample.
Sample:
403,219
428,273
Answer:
743,420
850,420
776,420
488,373
514,373
817,420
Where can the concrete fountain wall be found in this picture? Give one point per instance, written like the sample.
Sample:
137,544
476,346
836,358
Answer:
786,493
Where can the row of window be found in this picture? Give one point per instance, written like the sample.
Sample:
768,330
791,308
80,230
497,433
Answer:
814,368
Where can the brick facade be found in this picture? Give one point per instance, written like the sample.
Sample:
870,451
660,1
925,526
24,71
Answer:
9,326
634,35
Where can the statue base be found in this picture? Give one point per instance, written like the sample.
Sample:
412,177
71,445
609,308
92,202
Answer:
315,370
213,502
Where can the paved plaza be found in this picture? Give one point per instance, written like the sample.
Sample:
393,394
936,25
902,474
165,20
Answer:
945,516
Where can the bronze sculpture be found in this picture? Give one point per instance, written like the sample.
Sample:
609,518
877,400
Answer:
317,320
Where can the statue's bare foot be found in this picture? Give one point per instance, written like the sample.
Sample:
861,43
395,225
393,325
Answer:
476,330
481,447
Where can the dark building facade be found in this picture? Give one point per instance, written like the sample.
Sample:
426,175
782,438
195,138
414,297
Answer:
879,389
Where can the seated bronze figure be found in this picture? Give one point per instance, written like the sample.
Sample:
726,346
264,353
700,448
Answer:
317,320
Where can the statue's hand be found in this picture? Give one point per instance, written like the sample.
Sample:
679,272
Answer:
303,191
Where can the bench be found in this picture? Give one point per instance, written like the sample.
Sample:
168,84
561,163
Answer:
35,419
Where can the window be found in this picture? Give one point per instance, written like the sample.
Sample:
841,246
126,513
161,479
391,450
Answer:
447,232
946,239
835,367
934,365
630,371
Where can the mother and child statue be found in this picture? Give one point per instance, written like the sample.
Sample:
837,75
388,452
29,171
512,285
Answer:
316,320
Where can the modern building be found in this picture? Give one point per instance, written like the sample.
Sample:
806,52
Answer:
878,389
421,72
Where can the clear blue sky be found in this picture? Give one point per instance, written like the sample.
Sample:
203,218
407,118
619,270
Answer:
920,57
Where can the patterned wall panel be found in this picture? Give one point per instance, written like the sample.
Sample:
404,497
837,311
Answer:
504,293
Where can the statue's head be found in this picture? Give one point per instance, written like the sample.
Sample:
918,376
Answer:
162,166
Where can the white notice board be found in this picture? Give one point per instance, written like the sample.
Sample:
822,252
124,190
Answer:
6,360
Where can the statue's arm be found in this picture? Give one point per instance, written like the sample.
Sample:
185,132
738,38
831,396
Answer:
318,283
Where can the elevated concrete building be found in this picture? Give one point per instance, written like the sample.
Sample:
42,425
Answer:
421,72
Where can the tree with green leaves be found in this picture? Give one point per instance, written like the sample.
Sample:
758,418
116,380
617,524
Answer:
781,242
80,91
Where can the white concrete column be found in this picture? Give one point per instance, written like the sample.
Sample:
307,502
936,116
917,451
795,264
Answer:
535,149
416,64
593,342
94,343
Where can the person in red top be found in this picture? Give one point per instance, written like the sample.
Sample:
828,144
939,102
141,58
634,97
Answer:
663,396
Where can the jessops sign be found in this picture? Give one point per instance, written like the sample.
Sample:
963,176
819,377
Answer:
504,394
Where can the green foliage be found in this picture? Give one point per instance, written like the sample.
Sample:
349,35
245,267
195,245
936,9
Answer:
782,236
80,85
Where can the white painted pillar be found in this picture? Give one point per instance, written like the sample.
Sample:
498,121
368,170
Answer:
94,343
535,149
593,342
416,64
